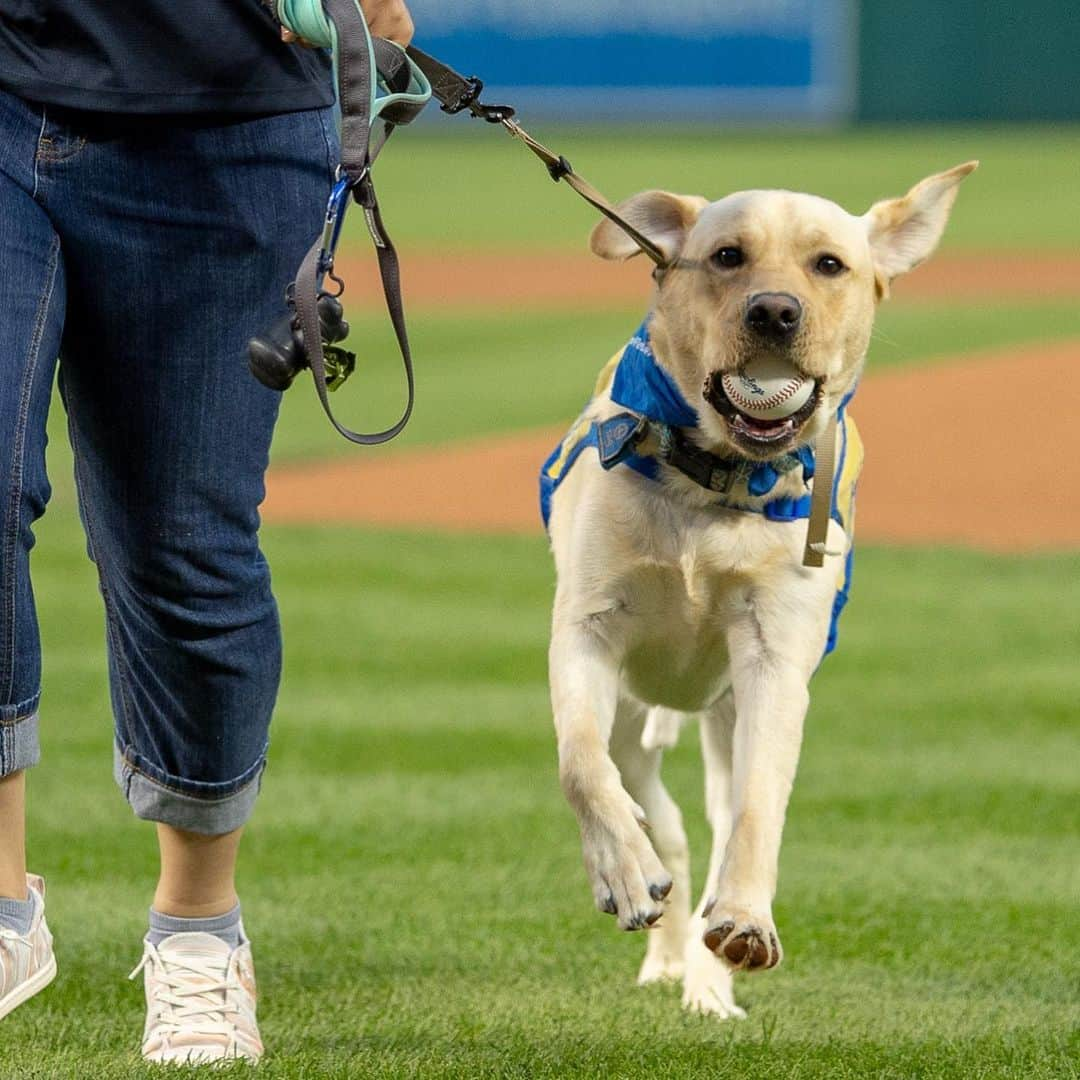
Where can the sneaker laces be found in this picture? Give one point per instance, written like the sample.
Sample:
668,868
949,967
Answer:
191,994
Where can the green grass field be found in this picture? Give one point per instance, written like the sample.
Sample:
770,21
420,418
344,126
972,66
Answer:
929,875
412,878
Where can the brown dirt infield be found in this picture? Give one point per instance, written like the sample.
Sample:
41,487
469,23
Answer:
579,281
954,456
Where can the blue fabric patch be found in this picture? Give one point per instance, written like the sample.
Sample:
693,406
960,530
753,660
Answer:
548,484
649,467
762,480
787,508
643,385
839,601
615,438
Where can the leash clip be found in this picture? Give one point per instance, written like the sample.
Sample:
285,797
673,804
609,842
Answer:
472,90
469,99
493,114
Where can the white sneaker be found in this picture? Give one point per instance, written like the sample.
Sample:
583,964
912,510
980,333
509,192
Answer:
27,964
200,1001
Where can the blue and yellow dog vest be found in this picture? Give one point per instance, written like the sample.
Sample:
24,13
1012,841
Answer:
639,384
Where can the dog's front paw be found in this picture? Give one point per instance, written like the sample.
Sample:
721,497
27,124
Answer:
707,984
627,878
748,941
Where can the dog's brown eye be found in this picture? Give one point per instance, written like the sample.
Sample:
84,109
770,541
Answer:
729,257
830,266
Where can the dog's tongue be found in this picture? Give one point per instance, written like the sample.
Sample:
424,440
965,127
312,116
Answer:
764,429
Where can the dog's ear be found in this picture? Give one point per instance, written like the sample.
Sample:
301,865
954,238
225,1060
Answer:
662,217
903,232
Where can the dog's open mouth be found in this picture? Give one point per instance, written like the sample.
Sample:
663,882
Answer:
752,432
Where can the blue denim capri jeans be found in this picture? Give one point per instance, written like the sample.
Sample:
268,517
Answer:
141,254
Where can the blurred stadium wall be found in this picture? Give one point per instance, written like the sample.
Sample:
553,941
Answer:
971,60
755,61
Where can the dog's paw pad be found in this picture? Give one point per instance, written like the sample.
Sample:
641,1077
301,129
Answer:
717,935
746,944
747,948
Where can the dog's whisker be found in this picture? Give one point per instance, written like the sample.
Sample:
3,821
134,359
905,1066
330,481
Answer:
878,336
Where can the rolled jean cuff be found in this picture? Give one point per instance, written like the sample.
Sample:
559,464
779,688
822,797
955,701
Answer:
211,809
19,745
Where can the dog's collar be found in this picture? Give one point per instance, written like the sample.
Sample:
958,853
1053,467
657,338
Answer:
627,435
655,429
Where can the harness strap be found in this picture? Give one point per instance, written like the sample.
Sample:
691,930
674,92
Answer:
817,528
456,93
626,435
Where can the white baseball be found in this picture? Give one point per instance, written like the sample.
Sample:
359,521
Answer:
768,388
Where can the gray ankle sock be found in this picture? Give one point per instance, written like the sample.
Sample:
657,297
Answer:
17,915
227,927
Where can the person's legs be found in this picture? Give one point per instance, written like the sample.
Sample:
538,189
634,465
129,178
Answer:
13,832
31,318
182,238
198,873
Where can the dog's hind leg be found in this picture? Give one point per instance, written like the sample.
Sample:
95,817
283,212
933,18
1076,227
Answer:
639,765
707,986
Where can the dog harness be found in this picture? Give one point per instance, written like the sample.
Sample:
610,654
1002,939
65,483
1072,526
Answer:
659,417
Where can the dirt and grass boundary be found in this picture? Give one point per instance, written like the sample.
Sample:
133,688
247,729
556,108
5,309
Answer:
954,450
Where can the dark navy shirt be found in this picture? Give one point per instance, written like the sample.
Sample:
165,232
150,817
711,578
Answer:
157,56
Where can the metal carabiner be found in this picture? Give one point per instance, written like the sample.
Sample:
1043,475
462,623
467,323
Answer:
335,218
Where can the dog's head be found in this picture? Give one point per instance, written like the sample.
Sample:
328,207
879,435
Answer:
779,274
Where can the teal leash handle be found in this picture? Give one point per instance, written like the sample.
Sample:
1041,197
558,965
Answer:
308,20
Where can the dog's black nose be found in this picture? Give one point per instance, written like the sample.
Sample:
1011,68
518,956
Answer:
773,315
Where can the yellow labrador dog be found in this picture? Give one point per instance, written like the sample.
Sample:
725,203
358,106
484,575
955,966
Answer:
678,523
